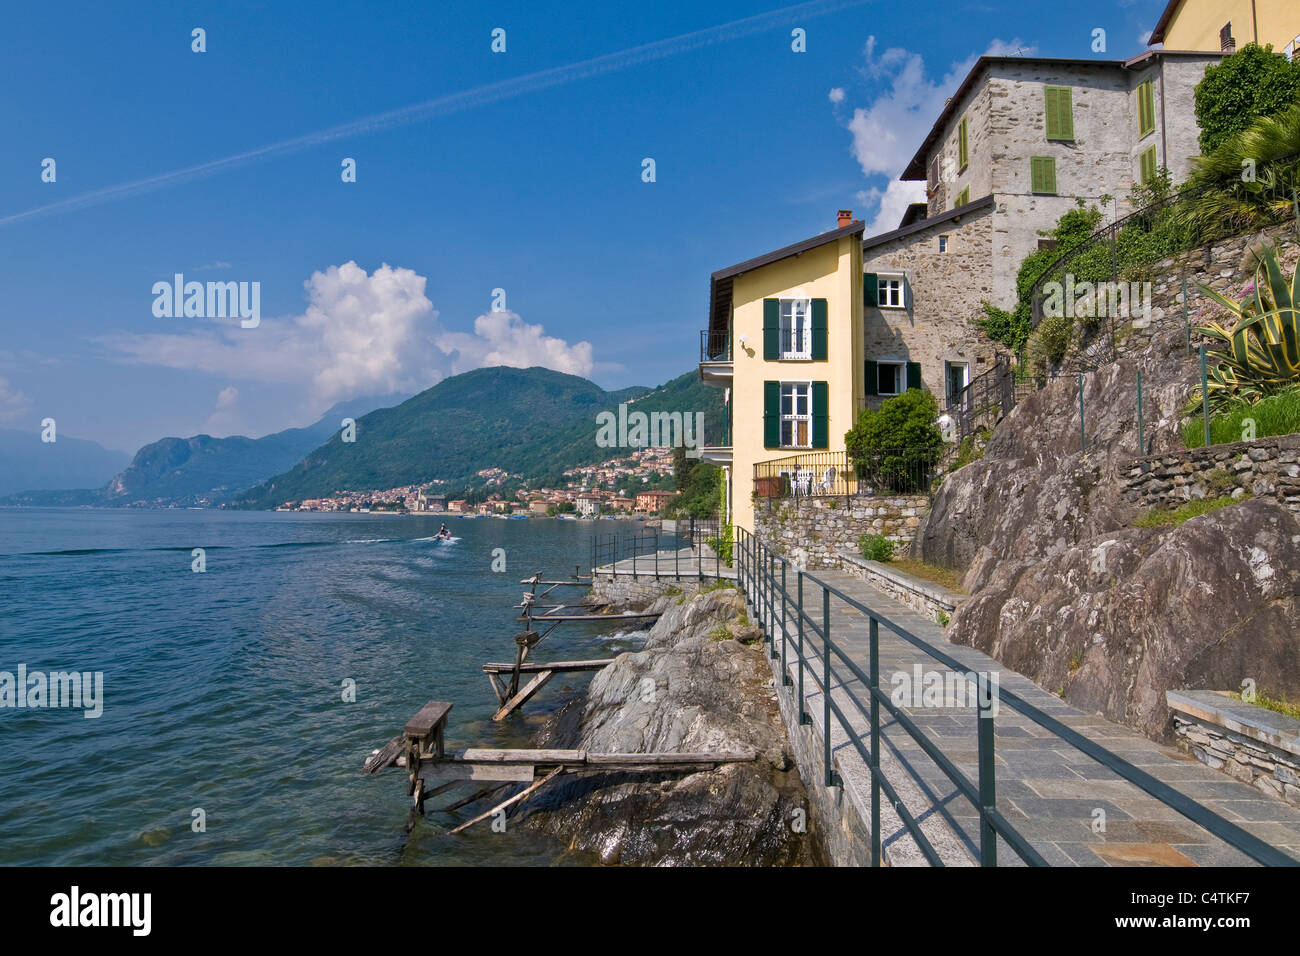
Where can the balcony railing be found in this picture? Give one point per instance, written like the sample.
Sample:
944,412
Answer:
830,473
715,345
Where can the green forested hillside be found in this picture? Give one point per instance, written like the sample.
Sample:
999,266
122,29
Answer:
534,422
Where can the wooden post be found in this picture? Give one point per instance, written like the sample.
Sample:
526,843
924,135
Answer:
424,736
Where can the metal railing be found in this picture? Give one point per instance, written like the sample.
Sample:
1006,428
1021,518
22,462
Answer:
715,345
802,619
649,555
984,400
834,473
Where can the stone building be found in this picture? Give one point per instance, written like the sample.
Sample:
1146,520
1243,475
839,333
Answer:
1019,142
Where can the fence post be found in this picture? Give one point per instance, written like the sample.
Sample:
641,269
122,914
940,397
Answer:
1205,397
784,678
875,742
1083,432
987,784
803,715
826,684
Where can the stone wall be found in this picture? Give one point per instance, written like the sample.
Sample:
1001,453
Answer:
935,602
632,591
944,291
1265,467
1223,266
810,531
1254,745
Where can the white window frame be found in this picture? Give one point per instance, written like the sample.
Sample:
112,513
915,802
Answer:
785,330
895,282
900,381
794,417
948,366
944,244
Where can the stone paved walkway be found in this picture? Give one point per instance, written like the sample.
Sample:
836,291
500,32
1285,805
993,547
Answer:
1049,791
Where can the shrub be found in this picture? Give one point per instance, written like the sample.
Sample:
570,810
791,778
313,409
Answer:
1275,415
896,445
876,547
1252,82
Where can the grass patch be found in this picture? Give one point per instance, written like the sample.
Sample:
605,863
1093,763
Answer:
1274,704
943,577
1275,415
672,590
716,585
1162,517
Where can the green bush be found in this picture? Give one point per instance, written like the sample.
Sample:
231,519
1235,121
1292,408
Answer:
1253,82
896,445
876,547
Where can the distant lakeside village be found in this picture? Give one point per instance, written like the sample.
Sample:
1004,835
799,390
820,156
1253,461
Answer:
634,485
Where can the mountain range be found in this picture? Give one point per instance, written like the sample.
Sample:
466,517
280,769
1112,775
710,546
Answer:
534,422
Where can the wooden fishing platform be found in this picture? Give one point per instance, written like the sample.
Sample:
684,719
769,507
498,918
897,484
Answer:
510,695
421,751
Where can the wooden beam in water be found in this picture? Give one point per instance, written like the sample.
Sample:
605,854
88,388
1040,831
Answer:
519,797
557,666
528,690
626,615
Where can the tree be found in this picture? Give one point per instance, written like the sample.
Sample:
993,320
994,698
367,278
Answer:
682,467
896,445
1253,82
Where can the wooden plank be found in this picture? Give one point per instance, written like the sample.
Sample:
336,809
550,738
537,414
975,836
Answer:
626,615
673,759
557,666
429,716
519,699
474,797
385,756
444,772
517,798
485,755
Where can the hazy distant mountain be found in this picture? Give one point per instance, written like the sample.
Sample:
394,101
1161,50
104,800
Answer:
535,422
26,462
197,470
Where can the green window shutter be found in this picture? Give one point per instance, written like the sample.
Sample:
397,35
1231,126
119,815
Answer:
872,380
1147,164
819,328
1042,175
820,421
1060,112
963,198
914,375
870,289
771,414
771,329
1146,108
963,154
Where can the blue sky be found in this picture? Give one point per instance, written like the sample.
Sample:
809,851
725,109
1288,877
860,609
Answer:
539,192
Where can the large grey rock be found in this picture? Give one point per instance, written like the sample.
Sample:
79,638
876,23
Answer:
694,687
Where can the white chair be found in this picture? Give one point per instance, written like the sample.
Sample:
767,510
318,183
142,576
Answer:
802,481
828,481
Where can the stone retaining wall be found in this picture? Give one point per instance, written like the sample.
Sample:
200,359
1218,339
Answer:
810,531
1252,744
1265,467
932,600
636,591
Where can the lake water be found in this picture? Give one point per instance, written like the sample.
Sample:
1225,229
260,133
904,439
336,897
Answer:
223,690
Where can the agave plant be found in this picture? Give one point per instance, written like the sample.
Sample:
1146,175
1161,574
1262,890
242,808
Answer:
1259,355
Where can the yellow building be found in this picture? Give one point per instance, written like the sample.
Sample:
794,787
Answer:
785,341
1225,25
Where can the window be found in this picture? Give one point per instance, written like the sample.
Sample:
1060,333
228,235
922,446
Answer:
956,378
1042,175
889,378
1147,165
1293,49
796,329
1146,108
796,415
1059,113
963,198
963,154
932,176
889,292
1226,43
943,243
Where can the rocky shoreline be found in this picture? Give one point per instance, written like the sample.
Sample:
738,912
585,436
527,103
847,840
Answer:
700,683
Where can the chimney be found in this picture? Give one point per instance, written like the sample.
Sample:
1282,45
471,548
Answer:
846,217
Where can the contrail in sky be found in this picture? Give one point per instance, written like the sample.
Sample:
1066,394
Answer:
451,103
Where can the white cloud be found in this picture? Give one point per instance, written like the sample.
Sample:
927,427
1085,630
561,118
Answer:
1145,37
894,200
213,265
13,403
362,334
503,338
224,419
836,95
888,131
